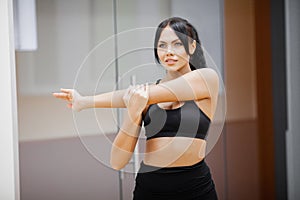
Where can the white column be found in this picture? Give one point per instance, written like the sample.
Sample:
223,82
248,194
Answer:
9,159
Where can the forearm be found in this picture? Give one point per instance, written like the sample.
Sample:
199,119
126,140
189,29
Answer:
131,125
125,142
128,133
112,99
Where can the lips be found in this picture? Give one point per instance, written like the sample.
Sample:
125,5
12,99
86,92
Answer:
170,61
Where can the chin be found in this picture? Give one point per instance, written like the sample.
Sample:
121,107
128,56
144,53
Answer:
171,69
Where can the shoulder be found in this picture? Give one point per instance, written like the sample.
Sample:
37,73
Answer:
209,76
206,76
207,73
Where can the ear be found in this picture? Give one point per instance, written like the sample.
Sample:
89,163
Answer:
192,47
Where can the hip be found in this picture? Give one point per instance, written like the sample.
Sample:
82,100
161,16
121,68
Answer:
186,181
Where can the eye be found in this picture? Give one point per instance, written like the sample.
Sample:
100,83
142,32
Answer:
162,45
178,44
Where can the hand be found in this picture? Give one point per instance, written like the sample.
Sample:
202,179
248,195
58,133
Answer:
74,99
136,99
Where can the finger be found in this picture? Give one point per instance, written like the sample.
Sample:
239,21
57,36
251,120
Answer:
134,89
70,97
147,89
61,95
139,87
66,90
70,105
130,92
126,94
144,87
55,94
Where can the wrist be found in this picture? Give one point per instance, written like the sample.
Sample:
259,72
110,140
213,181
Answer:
87,102
131,127
135,118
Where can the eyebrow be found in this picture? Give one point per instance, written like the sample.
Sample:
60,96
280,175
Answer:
166,42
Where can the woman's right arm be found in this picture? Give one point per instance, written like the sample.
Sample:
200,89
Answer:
77,102
196,85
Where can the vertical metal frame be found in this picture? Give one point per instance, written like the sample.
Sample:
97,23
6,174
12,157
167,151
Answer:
279,95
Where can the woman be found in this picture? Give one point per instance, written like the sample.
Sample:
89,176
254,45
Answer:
176,112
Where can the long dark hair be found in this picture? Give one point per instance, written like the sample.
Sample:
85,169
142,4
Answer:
186,32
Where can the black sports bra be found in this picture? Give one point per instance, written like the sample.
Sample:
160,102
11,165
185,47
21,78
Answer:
186,121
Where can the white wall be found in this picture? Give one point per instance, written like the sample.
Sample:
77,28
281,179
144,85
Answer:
9,155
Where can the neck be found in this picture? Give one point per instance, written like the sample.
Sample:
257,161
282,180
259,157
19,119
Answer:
175,74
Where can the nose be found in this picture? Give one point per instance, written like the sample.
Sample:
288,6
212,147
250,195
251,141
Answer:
169,51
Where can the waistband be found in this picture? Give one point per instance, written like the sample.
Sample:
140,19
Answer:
149,168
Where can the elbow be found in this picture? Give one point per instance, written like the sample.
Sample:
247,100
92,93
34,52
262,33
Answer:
119,159
117,165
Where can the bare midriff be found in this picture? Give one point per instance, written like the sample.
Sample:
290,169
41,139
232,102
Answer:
174,151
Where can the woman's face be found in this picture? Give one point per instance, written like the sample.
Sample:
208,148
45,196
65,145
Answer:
171,51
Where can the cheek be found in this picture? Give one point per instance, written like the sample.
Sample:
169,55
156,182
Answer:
183,55
160,54
180,51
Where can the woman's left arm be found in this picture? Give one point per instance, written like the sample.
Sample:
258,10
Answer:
135,99
195,85
125,141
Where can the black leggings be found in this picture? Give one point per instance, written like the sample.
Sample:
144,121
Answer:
174,183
